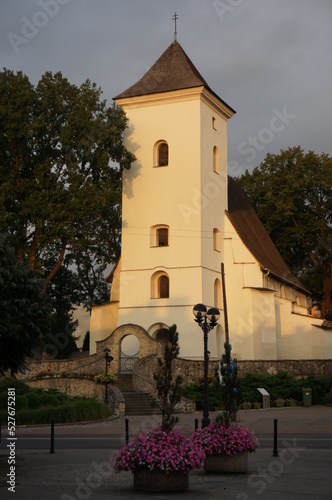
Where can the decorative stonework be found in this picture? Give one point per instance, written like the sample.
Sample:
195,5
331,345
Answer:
147,345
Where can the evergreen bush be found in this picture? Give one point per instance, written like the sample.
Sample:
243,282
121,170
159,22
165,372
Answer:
280,385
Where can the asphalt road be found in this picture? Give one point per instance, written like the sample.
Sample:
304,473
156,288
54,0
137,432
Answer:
81,467
102,442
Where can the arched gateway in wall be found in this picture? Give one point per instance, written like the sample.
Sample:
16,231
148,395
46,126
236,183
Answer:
116,342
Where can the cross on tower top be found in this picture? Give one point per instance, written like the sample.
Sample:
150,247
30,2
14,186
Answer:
174,18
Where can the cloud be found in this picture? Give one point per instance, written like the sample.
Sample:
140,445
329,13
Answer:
261,56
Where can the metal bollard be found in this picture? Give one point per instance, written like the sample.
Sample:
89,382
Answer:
275,439
52,436
127,430
196,424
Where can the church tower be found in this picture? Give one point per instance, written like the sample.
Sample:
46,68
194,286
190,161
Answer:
173,203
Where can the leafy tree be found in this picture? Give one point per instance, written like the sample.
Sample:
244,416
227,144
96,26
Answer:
63,292
94,289
61,162
167,390
229,385
24,312
291,193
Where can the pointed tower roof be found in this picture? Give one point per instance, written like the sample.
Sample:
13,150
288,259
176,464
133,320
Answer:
172,71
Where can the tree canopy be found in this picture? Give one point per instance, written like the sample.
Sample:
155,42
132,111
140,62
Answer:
291,193
24,320
61,162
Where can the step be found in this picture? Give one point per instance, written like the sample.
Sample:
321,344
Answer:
137,403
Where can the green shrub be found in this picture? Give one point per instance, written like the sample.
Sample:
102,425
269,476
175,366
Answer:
246,405
280,385
290,402
195,392
21,403
19,385
77,410
33,399
279,402
47,399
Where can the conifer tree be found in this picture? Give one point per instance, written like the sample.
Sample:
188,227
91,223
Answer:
168,391
230,385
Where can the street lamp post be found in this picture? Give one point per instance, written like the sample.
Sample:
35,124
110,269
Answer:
207,320
108,359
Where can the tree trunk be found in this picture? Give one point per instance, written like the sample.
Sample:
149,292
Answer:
32,258
55,268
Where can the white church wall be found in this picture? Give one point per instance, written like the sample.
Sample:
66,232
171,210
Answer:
184,195
297,337
264,324
213,182
103,321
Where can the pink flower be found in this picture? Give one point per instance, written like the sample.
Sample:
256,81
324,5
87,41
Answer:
169,451
218,438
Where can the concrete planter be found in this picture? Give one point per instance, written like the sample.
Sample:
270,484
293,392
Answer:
227,464
158,480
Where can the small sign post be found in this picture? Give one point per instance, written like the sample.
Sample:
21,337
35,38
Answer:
265,397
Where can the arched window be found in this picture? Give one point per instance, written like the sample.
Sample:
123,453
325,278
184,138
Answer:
160,285
217,293
159,236
216,160
216,239
161,154
214,123
163,285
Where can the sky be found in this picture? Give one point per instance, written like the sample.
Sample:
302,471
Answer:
270,60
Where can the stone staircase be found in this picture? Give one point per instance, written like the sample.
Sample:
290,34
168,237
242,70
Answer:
137,403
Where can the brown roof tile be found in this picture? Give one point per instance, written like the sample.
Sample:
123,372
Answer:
172,71
255,237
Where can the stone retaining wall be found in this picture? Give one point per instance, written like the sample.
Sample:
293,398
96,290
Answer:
91,364
296,368
84,388
190,371
193,371
71,386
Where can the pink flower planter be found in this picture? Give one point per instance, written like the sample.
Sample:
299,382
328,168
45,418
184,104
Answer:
227,464
159,480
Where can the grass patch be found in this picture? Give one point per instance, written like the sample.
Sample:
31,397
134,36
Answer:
38,406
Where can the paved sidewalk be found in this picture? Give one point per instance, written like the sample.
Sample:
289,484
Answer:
299,472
